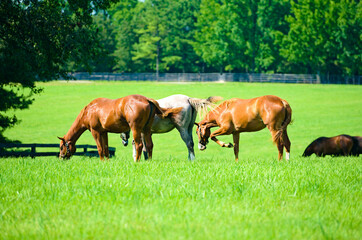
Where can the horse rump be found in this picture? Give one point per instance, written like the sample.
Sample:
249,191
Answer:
357,146
282,131
164,112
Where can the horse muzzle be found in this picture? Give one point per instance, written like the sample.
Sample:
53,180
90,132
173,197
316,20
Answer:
124,137
125,142
202,147
65,157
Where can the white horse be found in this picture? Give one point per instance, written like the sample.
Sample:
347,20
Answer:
183,121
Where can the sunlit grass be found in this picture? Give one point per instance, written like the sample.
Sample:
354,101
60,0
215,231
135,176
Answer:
172,198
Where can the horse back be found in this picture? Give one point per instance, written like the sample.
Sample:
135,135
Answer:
338,145
115,115
256,113
134,107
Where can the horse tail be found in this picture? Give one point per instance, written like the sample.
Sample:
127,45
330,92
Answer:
201,105
278,137
288,115
164,112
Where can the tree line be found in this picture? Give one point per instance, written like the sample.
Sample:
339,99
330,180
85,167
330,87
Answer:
256,36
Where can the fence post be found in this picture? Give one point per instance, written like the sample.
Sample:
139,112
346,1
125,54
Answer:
33,151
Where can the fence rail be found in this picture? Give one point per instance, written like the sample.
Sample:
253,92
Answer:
33,153
217,77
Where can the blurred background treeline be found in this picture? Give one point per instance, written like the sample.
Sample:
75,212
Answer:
252,36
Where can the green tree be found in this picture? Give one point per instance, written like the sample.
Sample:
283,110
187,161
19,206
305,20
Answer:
161,35
106,60
37,40
272,25
214,43
151,29
241,35
123,16
178,54
324,37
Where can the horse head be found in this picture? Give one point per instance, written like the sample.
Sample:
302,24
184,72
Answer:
203,132
125,137
67,149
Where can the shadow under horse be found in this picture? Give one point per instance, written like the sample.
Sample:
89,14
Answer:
247,115
103,115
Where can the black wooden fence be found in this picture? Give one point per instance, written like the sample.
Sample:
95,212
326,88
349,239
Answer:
12,150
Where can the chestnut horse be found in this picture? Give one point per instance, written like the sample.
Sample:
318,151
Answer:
247,115
341,145
104,115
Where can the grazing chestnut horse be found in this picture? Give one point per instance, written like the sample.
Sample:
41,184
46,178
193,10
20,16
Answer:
341,145
247,115
104,115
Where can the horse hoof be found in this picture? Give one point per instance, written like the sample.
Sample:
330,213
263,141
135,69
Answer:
229,145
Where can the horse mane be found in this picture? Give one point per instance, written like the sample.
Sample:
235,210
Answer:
225,103
229,101
216,108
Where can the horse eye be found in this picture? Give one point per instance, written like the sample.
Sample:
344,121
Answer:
61,148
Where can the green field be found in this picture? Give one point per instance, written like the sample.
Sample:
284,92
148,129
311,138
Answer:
172,198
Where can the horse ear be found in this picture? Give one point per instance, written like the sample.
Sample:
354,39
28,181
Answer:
196,124
62,139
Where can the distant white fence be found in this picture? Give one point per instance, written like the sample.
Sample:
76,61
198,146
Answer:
217,77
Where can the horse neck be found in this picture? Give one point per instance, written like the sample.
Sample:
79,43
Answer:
76,130
211,117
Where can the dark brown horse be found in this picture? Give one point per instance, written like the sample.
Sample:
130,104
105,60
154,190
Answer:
341,145
247,115
357,146
104,115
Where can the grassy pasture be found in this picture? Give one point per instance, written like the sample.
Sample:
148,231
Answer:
171,198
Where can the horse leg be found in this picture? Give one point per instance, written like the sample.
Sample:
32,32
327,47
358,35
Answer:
147,138
190,146
97,137
104,140
144,149
277,136
280,151
221,131
287,144
137,144
277,140
187,138
236,137
134,149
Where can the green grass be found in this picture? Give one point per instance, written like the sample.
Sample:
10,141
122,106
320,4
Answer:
171,198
